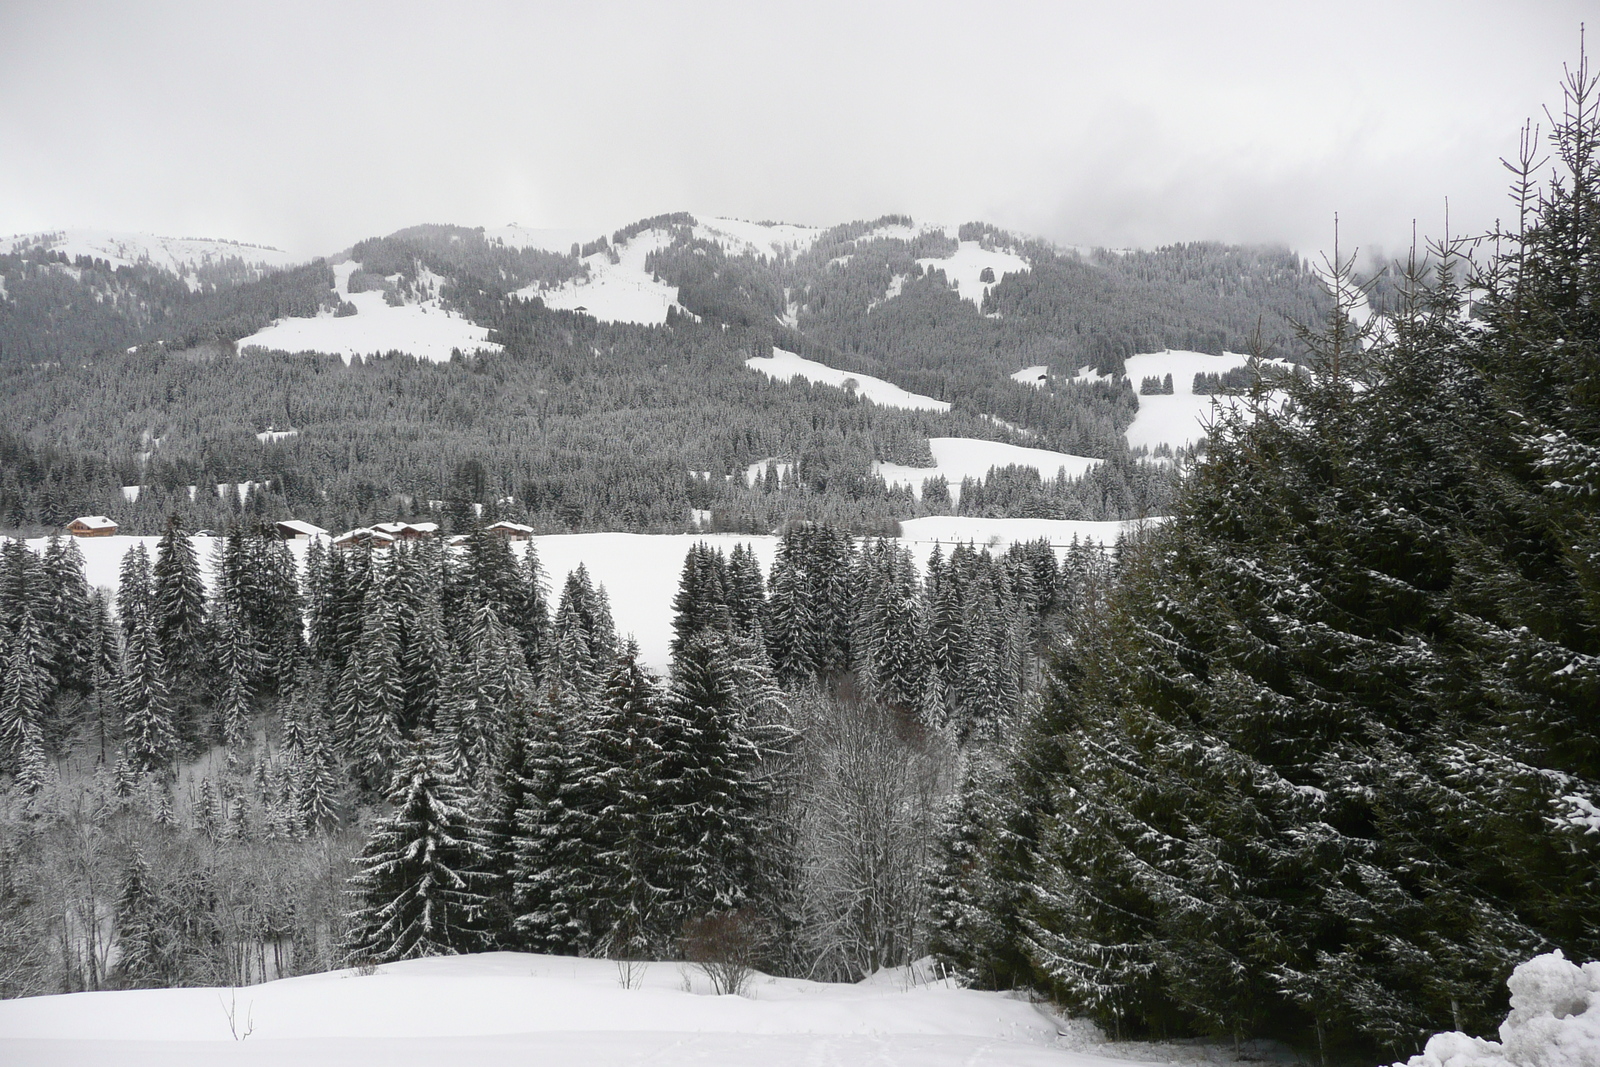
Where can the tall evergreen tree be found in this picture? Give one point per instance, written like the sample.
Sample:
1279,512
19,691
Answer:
146,706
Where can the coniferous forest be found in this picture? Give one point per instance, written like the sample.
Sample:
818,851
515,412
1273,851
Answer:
1315,759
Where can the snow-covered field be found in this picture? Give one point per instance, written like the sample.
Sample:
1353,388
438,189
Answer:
1179,419
616,292
785,366
771,239
515,1008
965,269
1033,376
425,330
641,571
180,255
967,457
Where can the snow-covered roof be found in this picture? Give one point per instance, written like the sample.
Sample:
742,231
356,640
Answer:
301,527
397,528
510,527
94,522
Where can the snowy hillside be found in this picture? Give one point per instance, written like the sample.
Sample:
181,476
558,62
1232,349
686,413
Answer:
616,292
1178,419
425,330
785,366
180,255
516,1008
965,457
772,239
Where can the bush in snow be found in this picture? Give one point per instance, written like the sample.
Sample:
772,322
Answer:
1554,1022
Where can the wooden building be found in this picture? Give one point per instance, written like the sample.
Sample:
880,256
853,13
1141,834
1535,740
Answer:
296,530
511,531
91,526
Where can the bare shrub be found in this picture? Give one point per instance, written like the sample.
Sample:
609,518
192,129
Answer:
724,946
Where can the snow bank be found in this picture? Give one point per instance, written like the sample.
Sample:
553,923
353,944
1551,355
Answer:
615,292
425,330
785,366
967,457
1554,1022
503,1008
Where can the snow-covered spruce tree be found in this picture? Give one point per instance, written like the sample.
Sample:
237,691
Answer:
891,660
369,699
67,605
149,736
1318,775
25,688
702,601
235,659
133,589
789,623
418,890
493,680
178,608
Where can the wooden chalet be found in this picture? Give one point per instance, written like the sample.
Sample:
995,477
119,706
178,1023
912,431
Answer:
511,531
407,531
91,526
363,537
296,530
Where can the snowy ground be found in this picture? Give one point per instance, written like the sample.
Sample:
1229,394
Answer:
1033,376
425,330
514,1008
772,239
641,571
616,292
966,457
1179,419
785,366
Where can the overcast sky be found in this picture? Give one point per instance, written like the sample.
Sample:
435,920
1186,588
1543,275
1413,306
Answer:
310,126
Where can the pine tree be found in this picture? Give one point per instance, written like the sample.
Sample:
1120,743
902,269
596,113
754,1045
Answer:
418,891
370,698
25,688
144,701
178,607
133,589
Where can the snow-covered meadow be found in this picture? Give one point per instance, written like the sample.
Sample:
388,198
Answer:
179,255
1180,418
516,1008
425,330
968,457
786,366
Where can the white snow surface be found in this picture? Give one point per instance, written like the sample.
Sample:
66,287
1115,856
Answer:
515,1008
1031,376
771,239
425,330
180,255
785,366
615,292
1554,1022
968,457
964,268
551,240
1179,419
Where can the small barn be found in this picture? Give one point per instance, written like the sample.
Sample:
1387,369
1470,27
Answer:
91,526
297,530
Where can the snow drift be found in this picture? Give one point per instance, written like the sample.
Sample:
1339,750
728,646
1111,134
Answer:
1554,1022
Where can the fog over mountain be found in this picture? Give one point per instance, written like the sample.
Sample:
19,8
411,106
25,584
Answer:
310,128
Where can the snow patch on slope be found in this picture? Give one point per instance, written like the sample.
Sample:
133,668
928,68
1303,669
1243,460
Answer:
775,240
425,330
1034,376
967,457
1178,419
785,366
964,270
615,292
559,239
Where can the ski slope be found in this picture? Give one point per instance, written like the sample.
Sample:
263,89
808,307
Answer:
179,255
774,240
786,366
516,1008
615,292
425,330
1180,419
967,457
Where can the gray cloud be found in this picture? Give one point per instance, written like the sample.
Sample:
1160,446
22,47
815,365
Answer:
310,126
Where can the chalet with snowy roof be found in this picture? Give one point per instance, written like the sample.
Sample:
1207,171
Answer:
91,526
511,531
363,537
407,531
296,530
